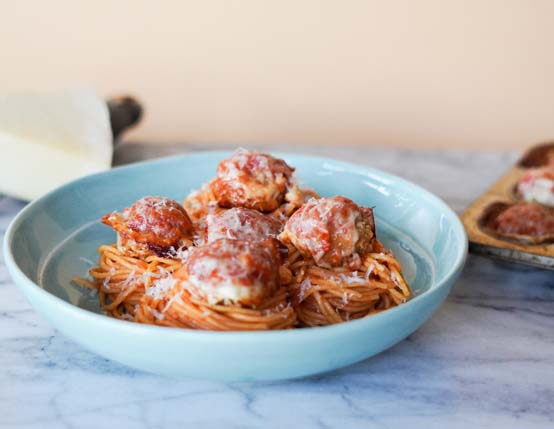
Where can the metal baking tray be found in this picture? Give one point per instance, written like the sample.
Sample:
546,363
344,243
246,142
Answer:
485,242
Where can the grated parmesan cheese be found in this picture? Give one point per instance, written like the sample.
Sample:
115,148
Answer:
304,287
156,313
369,271
181,253
130,280
174,298
351,279
161,287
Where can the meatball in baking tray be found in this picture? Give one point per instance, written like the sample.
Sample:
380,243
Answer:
514,218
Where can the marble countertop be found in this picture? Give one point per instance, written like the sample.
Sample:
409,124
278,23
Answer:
486,359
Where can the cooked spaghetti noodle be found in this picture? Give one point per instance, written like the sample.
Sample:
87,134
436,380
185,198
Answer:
183,310
121,281
321,264
202,202
324,296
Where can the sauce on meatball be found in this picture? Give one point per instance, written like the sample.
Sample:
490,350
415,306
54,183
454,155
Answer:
254,180
241,224
332,231
232,271
151,225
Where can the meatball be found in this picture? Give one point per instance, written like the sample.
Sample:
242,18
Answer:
151,225
232,271
332,231
538,185
241,224
526,219
254,180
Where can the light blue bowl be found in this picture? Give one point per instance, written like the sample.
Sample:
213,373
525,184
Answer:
55,238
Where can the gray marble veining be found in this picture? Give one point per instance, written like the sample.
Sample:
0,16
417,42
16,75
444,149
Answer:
486,359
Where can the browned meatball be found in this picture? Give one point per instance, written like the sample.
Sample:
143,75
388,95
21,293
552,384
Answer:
232,271
332,231
241,224
254,180
151,225
526,219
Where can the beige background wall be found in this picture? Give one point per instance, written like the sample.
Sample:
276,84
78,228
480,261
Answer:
415,73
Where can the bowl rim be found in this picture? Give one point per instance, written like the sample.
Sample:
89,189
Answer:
28,285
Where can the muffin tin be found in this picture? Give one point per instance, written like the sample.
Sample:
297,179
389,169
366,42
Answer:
479,218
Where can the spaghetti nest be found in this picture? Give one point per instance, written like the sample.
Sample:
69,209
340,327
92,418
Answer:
325,296
121,280
125,285
311,295
181,309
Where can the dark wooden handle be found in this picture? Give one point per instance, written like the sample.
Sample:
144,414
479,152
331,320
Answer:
125,112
